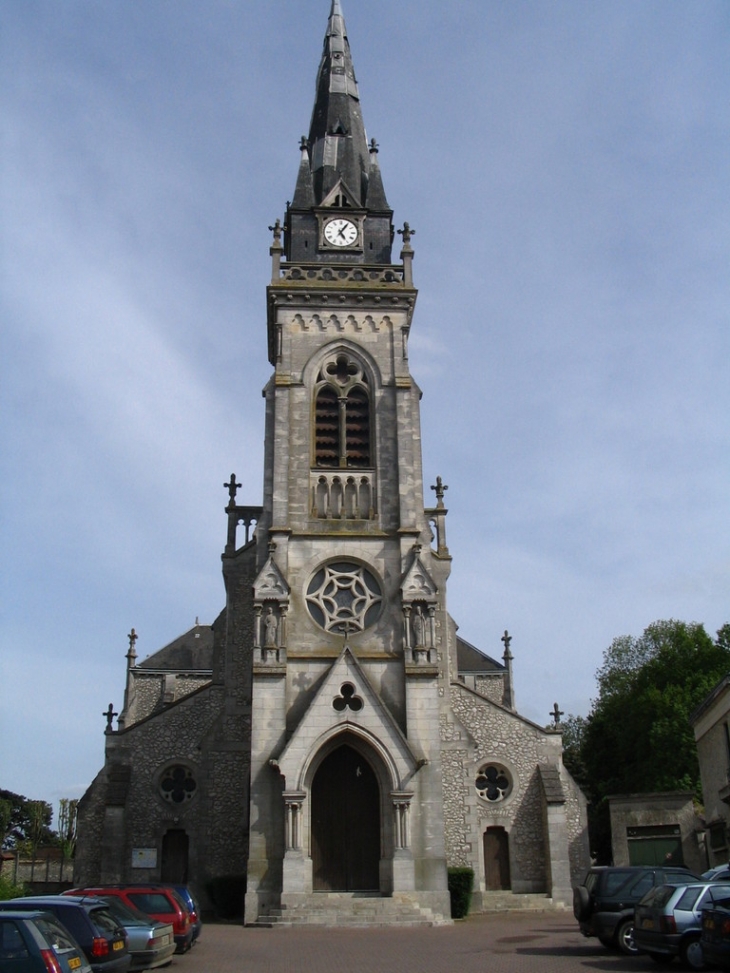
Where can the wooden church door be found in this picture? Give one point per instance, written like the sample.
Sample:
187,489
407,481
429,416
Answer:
174,857
345,824
496,860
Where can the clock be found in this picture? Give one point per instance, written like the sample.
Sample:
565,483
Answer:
340,232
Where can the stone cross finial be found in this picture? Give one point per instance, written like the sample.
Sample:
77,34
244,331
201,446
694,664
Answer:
406,233
374,148
506,638
232,488
556,714
110,714
276,229
440,489
303,143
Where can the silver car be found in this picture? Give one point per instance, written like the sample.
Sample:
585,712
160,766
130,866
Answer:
668,920
151,943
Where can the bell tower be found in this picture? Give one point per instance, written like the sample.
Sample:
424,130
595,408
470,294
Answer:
351,639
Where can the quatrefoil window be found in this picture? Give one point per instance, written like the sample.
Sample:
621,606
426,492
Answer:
493,782
347,699
177,784
344,597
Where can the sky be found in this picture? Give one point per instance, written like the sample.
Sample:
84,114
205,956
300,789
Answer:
565,166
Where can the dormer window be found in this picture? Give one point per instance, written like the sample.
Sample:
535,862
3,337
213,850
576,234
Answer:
342,416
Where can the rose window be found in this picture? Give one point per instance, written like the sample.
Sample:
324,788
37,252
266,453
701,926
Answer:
493,783
177,784
344,597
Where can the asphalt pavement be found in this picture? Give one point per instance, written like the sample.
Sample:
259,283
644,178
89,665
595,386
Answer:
513,942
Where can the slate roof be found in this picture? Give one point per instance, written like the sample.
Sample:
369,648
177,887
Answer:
193,650
470,659
551,784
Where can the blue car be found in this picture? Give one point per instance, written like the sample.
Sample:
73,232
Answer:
36,942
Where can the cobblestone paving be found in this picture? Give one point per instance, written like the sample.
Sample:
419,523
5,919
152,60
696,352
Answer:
506,943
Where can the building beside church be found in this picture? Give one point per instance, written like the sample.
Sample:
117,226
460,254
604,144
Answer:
330,732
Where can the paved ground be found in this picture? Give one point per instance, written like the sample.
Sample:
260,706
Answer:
545,942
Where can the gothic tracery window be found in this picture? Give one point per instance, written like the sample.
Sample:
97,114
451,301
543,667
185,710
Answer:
342,416
344,597
493,782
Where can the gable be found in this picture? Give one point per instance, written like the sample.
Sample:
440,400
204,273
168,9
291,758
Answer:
346,703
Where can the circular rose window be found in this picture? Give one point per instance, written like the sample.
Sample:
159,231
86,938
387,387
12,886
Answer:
344,597
493,782
177,784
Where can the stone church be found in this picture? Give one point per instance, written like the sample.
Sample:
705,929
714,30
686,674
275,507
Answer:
330,737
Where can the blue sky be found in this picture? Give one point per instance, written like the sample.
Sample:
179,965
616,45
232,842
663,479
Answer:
565,166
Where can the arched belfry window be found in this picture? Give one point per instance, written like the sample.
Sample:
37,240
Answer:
342,415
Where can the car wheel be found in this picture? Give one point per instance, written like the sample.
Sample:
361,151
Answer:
581,903
625,937
691,953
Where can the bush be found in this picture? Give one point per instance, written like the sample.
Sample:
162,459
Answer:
8,890
461,883
227,893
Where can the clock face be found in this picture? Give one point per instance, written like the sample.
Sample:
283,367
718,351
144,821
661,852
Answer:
340,232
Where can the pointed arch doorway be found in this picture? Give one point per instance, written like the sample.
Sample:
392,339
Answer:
345,824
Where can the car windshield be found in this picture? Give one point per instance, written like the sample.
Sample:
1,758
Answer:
105,921
151,902
718,895
126,914
55,933
657,896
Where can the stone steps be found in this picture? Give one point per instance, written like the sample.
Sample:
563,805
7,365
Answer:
341,909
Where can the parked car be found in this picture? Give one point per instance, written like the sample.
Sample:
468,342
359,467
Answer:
91,924
604,903
190,901
668,920
158,901
720,873
151,943
36,942
715,938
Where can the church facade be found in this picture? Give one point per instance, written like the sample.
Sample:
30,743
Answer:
330,734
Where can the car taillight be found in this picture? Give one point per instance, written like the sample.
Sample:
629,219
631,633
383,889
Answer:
725,927
667,924
52,964
99,947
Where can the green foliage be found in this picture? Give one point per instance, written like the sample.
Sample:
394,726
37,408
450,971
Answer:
461,883
227,893
638,737
8,890
28,822
67,817
573,729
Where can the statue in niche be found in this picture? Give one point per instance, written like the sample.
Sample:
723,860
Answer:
419,629
271,625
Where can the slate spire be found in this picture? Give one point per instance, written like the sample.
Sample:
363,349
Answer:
337,141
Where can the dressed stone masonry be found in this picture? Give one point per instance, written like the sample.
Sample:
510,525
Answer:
330,732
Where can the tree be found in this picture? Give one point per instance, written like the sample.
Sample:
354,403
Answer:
26,824
637,737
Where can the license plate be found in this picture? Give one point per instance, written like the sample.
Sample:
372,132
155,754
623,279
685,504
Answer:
74,963
647,924
119,945
709,923
165,940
